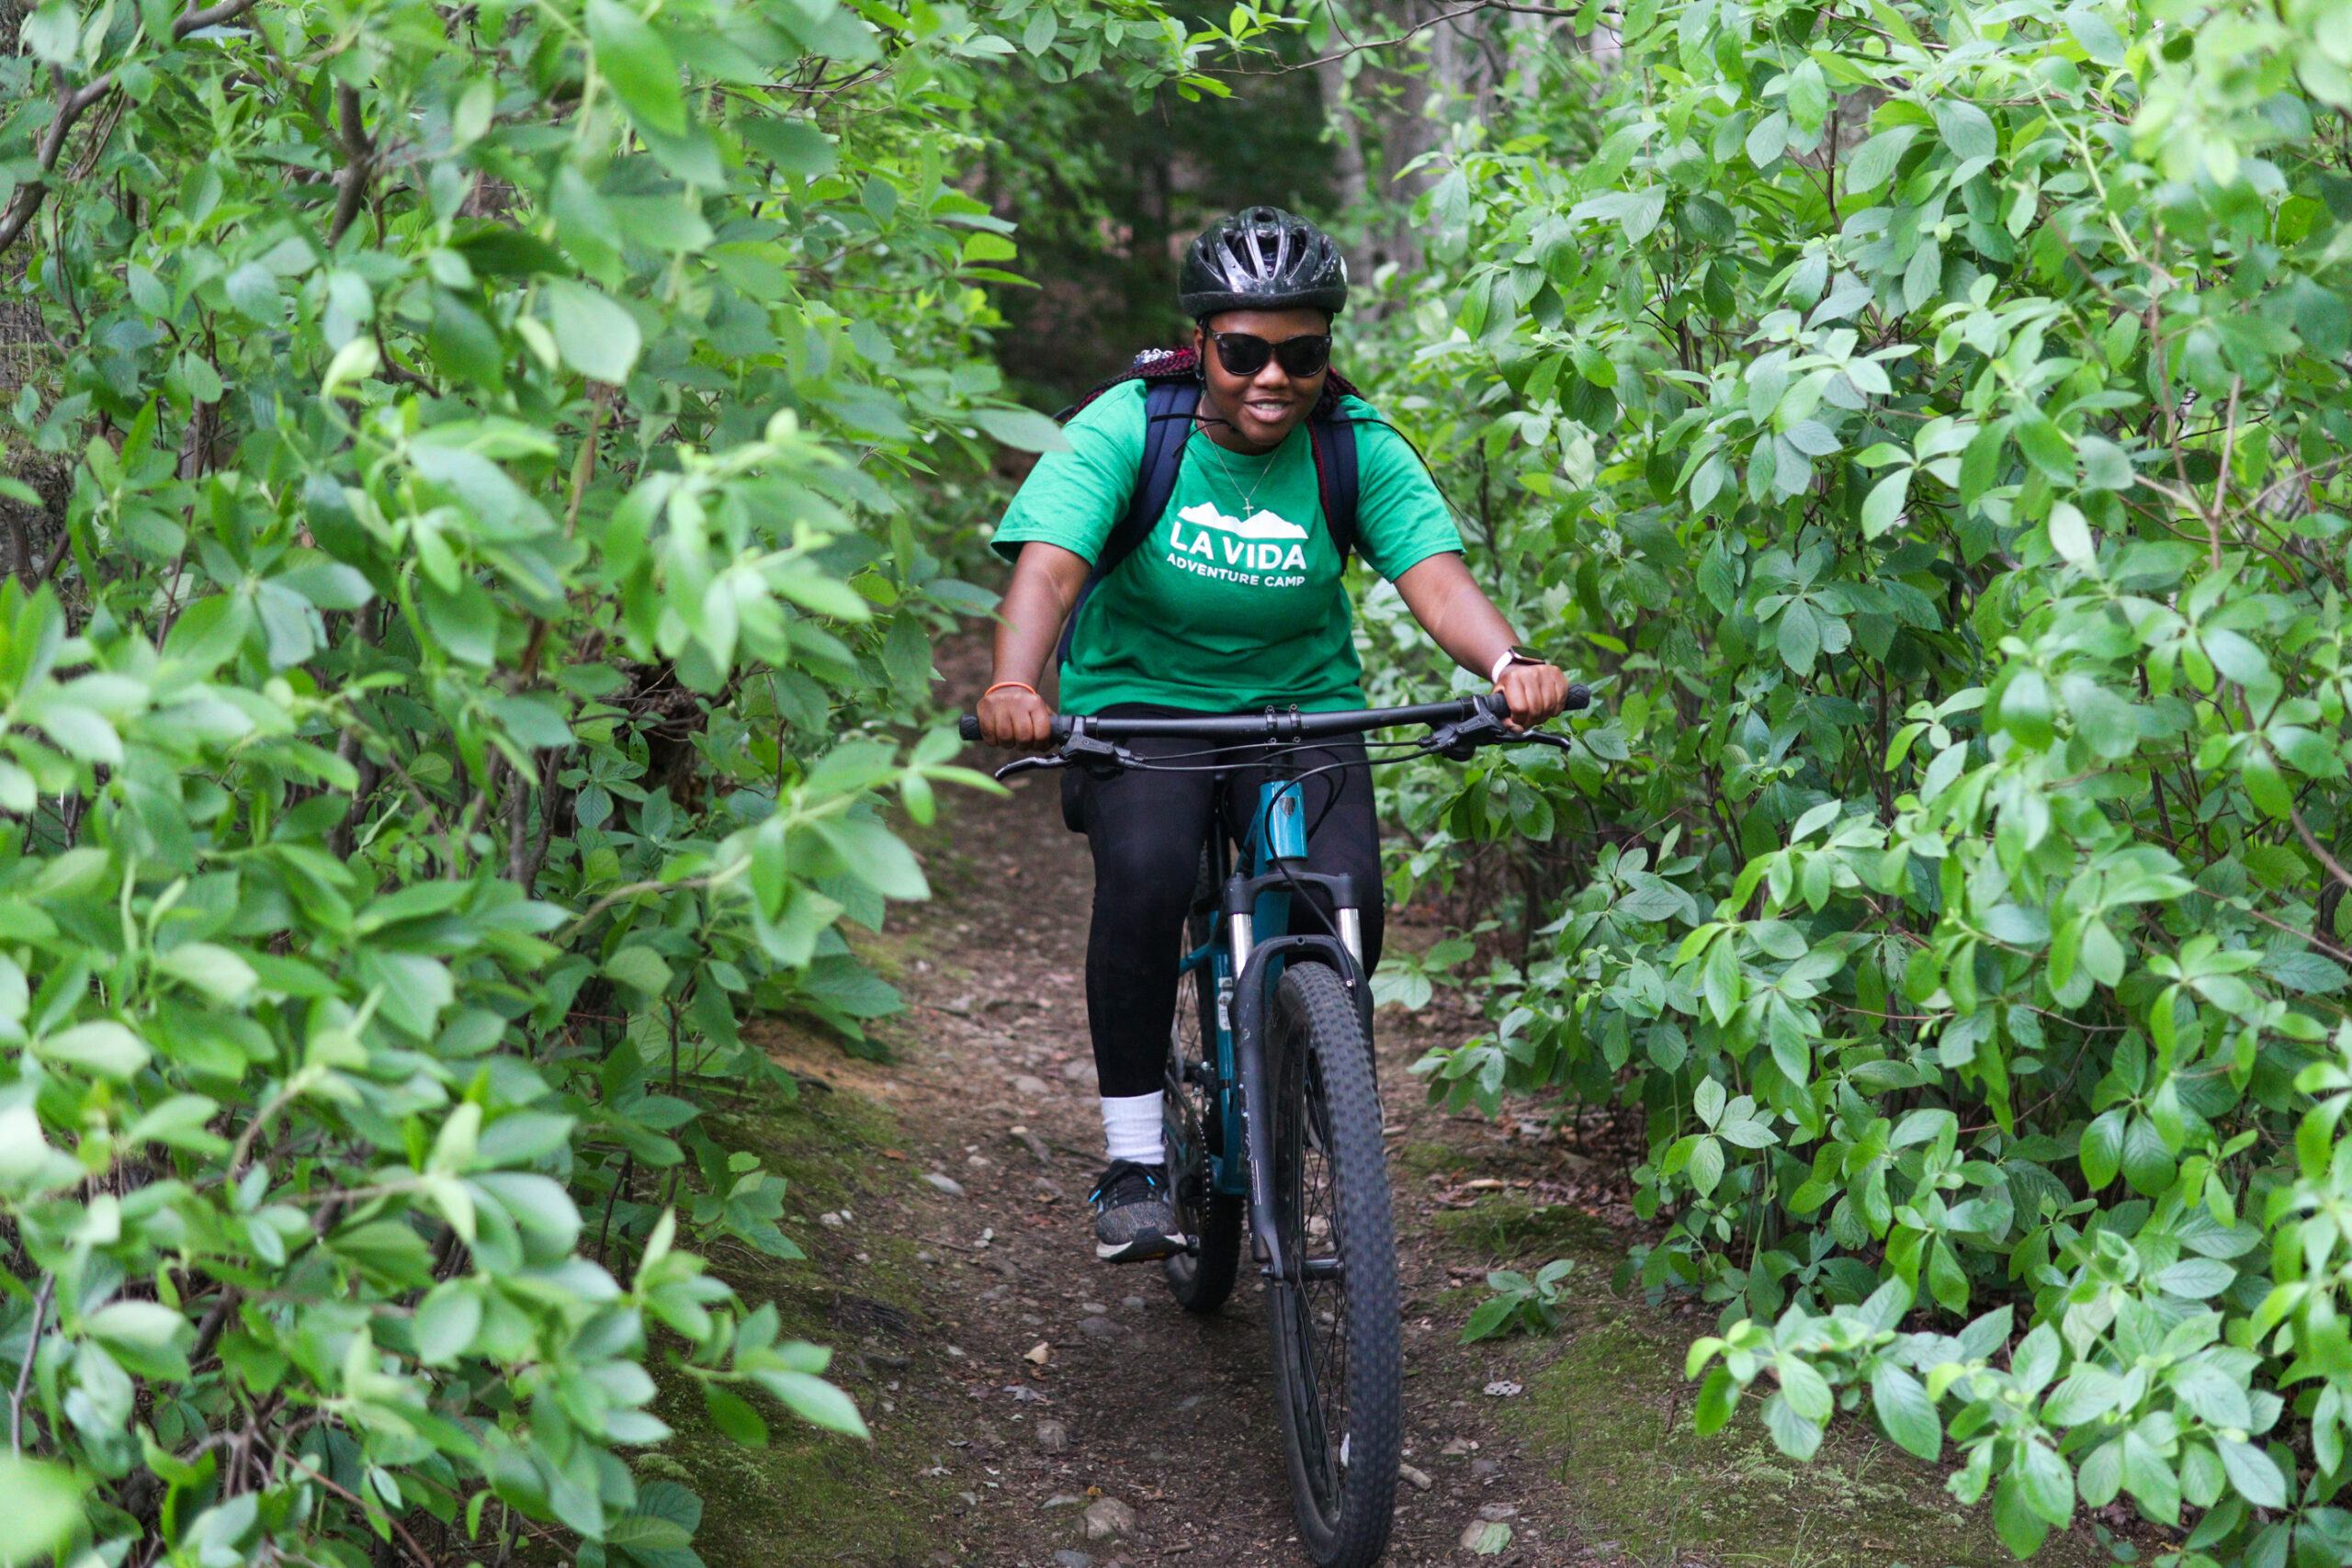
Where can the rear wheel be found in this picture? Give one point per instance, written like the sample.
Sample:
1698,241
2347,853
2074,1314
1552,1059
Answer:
1194,1126
1337,1372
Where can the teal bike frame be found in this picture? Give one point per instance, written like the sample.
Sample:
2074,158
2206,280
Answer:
1251,942
1249,945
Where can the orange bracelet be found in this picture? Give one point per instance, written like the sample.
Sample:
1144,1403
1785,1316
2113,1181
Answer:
1018,685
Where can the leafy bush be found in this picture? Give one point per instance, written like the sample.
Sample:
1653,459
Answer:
1519,1304
1925,422
512,455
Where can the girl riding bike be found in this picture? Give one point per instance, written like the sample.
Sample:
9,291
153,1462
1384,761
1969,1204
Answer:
1192,540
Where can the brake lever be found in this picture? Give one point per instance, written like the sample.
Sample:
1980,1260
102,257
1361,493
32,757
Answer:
1461,738
1030,765
1101,758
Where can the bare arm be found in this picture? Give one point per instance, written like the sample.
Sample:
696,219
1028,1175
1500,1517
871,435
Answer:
1046,581
1462,620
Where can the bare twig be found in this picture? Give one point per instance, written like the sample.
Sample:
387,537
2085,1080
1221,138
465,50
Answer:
2311,841
25,1372
72,103
359,162
215,1318
398,1529
1409,34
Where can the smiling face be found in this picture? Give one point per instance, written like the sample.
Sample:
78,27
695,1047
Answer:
1264,408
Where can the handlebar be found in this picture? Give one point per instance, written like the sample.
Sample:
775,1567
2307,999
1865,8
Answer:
1285,725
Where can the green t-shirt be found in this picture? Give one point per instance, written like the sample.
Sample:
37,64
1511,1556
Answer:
1233,602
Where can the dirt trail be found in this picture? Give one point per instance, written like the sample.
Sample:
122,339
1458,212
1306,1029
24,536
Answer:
951,1263
1167,1413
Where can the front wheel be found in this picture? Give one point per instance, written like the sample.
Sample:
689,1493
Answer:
1337,1370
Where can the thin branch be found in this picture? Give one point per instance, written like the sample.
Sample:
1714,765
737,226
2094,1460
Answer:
213,16
72,103
1408,35
359,166
398,1529
56,558
25,1372
2310,842
215,1318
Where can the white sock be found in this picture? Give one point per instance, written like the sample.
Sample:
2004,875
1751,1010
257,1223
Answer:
1131,1128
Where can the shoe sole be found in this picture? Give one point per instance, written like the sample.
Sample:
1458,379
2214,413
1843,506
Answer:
1141,1249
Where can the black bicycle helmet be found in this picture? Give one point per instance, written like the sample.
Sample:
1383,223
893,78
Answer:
1261,259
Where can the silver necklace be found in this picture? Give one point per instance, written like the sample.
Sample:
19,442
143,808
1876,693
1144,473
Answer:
1250,497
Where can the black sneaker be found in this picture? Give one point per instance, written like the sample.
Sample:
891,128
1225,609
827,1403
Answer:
1133,1221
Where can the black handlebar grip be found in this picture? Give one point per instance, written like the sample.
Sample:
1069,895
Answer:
1579,697
969,726
1495,703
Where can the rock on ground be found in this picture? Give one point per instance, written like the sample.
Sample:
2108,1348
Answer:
1109,1517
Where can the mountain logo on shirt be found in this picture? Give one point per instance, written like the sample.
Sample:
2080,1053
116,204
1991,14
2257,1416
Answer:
1264,542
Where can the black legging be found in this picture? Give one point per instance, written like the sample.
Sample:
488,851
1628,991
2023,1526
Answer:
1145,829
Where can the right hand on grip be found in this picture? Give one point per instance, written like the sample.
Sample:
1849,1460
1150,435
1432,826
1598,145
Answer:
1013,718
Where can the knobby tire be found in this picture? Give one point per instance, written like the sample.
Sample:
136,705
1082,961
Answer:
1338,1386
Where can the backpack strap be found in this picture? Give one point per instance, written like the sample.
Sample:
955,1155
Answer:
1168,408
1336,478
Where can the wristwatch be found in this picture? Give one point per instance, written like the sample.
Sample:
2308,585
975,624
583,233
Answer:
1517,653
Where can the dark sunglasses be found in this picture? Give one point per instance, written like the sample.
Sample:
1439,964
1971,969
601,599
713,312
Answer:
1245,354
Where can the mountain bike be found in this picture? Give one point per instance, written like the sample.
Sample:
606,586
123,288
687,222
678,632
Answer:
1272,1110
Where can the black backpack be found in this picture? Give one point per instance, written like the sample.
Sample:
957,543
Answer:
1171,380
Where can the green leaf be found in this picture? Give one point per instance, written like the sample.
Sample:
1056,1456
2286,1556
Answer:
104,1048
642,72
1489,1319
1024,429
2047,448
1799,637
2096,35
2090,1392
1488,1538
2101,1152
2148,1166
644,1532
815,1401
2021,1529
1906,1411
446,1321
1808,97
594,333
793,146
1874,160
1706,1167
1965,128
733,1416
217,971
2252,1472
1791,1433
2070,536
1882,508
640,968
2025,708
40,1506
2049,1483
2106,466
